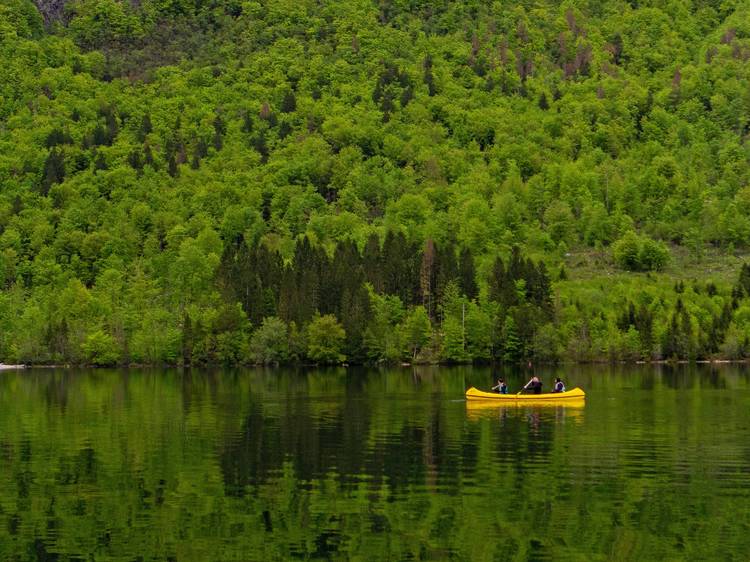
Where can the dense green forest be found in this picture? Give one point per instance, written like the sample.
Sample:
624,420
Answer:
369,181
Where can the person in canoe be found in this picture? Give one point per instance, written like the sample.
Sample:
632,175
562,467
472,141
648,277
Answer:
534,385
501,387
559,385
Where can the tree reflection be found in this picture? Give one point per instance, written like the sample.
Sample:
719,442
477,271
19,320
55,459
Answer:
379,464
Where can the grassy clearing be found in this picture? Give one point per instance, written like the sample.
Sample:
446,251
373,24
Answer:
713,265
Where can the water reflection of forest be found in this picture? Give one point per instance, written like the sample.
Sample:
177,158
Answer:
324,462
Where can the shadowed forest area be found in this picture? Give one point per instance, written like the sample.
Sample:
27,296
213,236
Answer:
199,182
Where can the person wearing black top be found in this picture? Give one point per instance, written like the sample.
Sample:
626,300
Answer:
534,385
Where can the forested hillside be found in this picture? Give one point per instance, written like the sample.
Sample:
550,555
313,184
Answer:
294,180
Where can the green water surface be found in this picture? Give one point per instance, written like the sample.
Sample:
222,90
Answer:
372,465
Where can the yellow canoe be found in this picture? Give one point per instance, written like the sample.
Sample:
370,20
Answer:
574,394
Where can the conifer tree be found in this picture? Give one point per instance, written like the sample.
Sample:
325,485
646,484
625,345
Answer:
54,170
427,277
355,311
220,129
497,280
146,128
447,272
467,274
372,263
135,160
148,156
247,123
172,168
100,163
289,102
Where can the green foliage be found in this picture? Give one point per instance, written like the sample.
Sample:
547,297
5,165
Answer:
639,253
458,144
512,347
325,340
270,342
100,348
626,251
382,336
478,322
454,341
415,331
546,346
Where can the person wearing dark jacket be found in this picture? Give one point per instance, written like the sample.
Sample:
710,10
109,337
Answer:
534,385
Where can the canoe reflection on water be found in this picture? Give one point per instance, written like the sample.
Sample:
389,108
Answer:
482,409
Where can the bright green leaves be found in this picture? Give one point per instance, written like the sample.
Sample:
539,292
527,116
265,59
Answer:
19,18
416,331
639,253
100,348
325,340
193,272
98,22
199,127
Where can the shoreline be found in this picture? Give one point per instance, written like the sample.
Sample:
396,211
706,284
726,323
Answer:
530,365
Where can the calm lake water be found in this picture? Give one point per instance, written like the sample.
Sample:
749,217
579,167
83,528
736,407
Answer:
372,465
